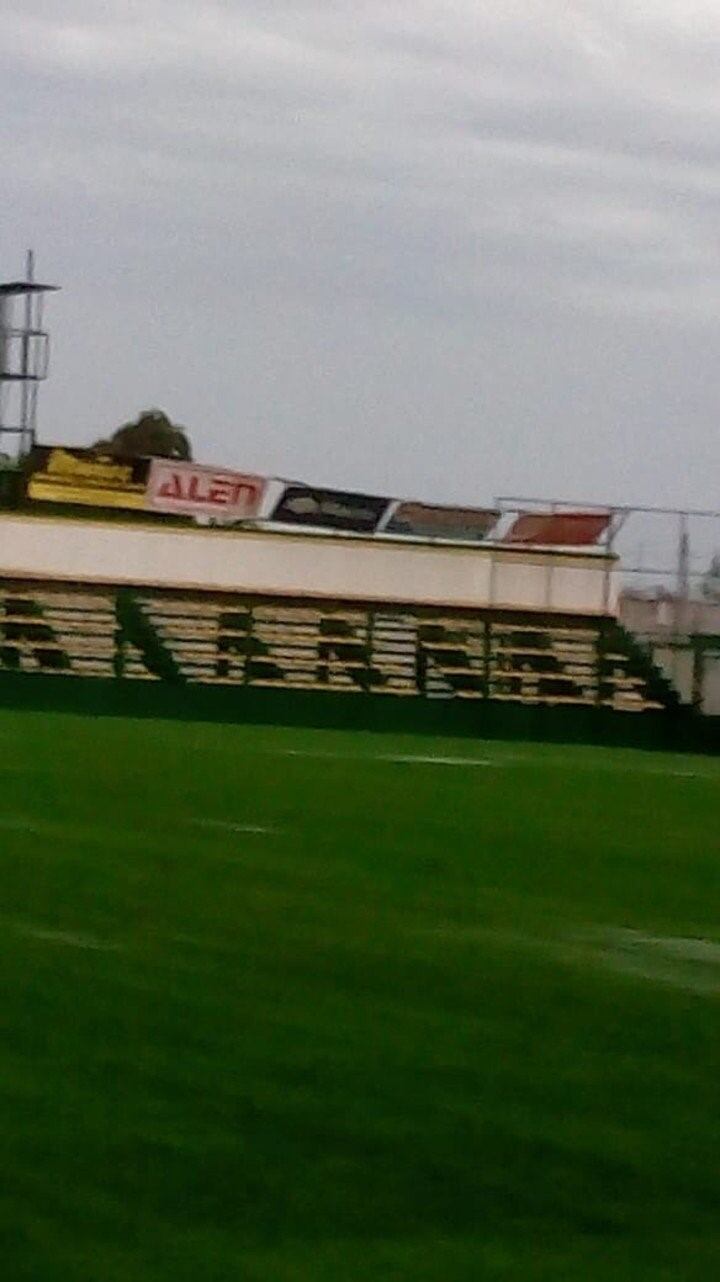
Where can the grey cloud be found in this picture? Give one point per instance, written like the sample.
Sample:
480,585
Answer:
448,249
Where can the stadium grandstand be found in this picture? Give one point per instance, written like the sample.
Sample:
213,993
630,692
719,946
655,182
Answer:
127,569
344,927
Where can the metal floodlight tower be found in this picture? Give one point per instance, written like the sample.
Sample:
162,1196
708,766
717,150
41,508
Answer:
24,356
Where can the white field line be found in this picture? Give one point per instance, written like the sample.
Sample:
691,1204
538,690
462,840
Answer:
502,762
227,825
689,964
68,939
411,759
316,754
102,838
394,758
14,823
675,947
98,835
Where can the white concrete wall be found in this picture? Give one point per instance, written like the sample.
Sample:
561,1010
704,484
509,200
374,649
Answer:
302,564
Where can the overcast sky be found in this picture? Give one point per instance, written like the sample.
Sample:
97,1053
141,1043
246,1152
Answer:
445,249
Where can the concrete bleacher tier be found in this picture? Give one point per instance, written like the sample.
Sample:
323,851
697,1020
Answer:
57,629
344,646
335,613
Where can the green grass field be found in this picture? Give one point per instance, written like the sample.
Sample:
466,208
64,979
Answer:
282,1006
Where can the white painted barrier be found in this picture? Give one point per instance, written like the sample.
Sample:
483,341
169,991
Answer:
301,564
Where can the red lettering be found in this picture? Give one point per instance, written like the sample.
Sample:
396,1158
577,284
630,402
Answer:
246,493
216,490
220,492
172,488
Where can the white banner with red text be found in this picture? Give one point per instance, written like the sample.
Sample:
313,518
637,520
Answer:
190,489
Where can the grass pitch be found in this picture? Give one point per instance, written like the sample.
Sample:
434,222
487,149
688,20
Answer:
282,1006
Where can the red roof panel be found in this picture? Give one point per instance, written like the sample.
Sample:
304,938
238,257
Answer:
558,529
